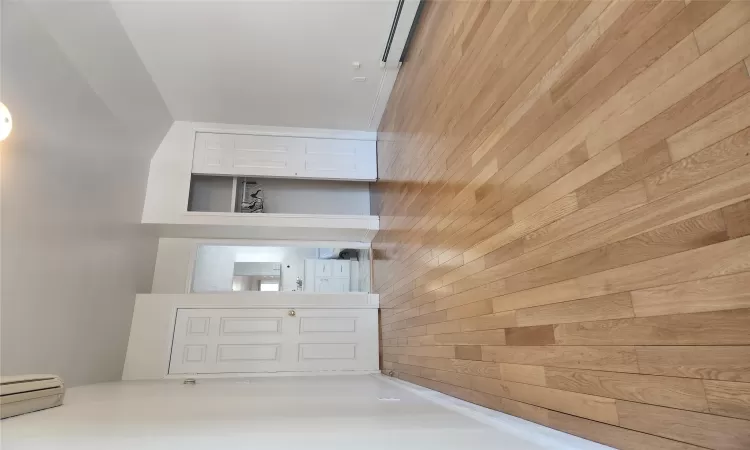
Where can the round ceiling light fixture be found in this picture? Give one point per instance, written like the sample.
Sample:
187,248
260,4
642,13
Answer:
6,122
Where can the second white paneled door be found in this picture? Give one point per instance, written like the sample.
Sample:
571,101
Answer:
274,340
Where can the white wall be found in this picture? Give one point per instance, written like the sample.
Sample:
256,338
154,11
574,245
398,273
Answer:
257,269
73,182
173,265
214,268
315,196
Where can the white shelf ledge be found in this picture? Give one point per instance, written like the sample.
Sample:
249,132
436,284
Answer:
358,228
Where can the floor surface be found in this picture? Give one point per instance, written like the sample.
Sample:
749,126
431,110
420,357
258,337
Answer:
354,412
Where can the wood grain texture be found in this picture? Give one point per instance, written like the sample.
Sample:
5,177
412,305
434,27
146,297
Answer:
675,392
714,363
709,328
613,306
737,218
592,407
470,352
564,198
728,398
613,358
709,294
613,436
539,335
695,428
490,337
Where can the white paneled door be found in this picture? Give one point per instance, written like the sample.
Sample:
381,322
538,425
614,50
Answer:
283,156
238,154
273,340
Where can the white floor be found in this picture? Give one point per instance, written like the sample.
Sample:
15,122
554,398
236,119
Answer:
352,412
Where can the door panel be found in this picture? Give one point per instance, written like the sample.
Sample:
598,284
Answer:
231,340
213,153
282,156
267,155
272,340
327,324
337,339
340,158
327,351
341,268
323,268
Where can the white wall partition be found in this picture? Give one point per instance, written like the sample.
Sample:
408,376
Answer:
87,119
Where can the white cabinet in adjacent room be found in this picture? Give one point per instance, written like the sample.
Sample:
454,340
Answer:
211,341
323,268
328,275
341,268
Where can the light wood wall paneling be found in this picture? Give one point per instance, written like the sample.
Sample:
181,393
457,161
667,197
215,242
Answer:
565,216
706,430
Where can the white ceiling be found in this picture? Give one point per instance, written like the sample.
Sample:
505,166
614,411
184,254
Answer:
282,63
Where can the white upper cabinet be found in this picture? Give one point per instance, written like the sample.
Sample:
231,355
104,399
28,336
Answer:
340,159
280,156
246,154
314,183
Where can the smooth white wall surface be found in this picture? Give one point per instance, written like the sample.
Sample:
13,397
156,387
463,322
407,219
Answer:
214,268
73,181
169,176
315,196
173,265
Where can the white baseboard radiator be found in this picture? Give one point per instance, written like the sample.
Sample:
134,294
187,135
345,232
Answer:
28,393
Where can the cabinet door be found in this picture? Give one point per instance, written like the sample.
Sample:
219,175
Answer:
340,159
341,268
281,156
323,268
340,284
337,339
213,154
324,284
233,340
249,155
272,156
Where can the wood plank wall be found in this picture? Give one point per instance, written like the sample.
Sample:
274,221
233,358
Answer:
566,225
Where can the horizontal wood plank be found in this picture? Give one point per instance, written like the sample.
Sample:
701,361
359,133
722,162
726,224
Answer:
680,393
709,328
710,362
728,398
695,428
613,358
